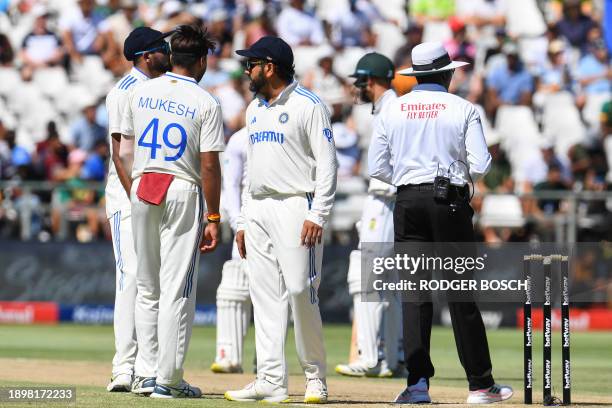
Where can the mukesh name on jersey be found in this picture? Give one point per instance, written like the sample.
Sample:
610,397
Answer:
167,105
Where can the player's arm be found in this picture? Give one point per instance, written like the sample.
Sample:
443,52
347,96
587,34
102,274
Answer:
120,163
211,143
233,166
379,153
318,128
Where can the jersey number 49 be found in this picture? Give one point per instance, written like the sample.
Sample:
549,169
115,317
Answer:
153,128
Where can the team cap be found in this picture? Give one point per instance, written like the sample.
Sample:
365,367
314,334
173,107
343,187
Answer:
142,39
270,48
373,64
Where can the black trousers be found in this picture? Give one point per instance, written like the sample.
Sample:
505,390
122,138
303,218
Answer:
419,218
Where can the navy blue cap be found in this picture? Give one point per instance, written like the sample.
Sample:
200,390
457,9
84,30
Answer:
142,39
272,49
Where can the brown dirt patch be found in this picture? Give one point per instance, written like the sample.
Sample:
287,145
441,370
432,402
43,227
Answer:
364,392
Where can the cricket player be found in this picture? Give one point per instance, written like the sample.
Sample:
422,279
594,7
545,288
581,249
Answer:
233,300
378,319
148,52
178,129
291,176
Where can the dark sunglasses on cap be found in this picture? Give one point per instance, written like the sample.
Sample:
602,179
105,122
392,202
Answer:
164,49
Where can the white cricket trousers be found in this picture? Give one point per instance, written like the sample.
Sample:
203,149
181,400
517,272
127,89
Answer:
125,293
166,238
281,273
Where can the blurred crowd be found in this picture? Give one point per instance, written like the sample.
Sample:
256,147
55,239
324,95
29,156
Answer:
540,74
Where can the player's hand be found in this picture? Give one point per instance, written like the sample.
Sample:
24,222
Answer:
210,239
240,243
311,234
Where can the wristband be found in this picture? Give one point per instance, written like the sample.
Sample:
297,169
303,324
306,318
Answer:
213,217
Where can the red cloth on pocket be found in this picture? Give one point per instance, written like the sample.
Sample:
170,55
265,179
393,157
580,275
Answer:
153,187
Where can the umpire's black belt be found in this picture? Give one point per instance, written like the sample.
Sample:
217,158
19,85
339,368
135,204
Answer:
430,187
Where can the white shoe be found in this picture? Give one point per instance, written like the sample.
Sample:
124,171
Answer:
381,370
143,385
415,394
316,391
120,383
181,390
225,367
495,393
359,369
259,390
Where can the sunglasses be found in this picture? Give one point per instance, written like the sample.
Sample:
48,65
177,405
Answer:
164,49
250,64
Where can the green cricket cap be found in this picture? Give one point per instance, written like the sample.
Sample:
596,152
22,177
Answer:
373,64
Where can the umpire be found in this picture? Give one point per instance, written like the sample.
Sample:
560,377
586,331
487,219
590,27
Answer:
427,143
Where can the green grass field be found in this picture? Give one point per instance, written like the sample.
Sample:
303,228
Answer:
591,360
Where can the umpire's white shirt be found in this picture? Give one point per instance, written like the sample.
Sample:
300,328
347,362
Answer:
115,196
424,130
377,187
291,149
172,120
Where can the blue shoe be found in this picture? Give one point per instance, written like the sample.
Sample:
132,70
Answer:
143,385
181,390
415,394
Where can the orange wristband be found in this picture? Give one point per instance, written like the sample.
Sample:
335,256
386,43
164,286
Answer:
213,217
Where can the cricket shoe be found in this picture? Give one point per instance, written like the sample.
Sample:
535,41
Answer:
494,393
415,394
259,390
381,370
181,390
120,383
357,369
316,391
143,385
225,367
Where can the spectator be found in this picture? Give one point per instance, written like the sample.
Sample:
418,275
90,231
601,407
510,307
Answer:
347,149
509,83
173,14
322,79
554,182
461,49
348,25
6,52
219,28
297,27
94,166
41,47
555,76
5,151
118,26
82,30
261,26
85,131
414,36
574,25
74,200
593,72
432,15
51,154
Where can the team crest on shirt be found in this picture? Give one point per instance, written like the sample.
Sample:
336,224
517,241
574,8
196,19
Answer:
328,134
283,118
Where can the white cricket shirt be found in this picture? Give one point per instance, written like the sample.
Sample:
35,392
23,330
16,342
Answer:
115,196
377,187
172,121
234,174
291,149
423,130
